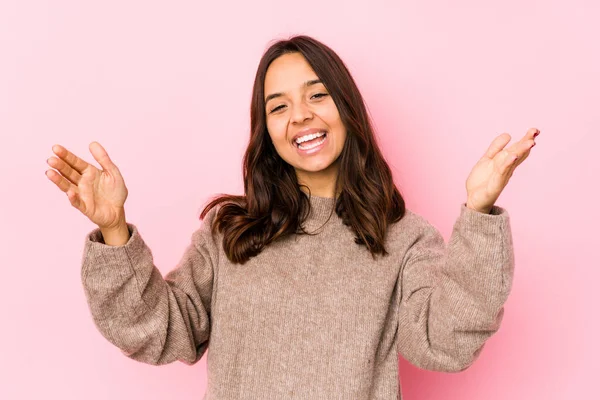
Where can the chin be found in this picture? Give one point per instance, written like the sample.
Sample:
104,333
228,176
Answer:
315,165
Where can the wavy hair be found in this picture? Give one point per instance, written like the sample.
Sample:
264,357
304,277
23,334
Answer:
273,206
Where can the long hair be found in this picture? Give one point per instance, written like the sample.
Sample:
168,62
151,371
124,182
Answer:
273,206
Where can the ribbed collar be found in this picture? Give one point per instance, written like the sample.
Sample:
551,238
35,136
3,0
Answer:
320,210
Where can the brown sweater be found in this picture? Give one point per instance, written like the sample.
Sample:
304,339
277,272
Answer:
311,317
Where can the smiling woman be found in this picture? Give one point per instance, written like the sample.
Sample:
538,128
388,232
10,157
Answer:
304,123
310,284
321,143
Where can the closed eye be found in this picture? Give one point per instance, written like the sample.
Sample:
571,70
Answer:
277,108
316,95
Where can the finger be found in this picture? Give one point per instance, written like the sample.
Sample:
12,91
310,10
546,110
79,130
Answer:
525,151
72,192
532,133
103,159
64,169
75,200
529,136
497,145
62,183
75,162
521,155
510,161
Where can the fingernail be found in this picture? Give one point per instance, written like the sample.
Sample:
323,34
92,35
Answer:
533,145
537,133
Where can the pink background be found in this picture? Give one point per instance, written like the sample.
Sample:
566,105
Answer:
165,87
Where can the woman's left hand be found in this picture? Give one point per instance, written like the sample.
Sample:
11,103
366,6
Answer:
492,172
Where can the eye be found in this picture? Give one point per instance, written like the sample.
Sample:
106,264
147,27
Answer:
316,95
276,109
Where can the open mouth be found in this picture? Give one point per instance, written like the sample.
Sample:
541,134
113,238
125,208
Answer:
310,141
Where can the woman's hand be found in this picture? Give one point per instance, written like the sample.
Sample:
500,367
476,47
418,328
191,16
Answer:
492,172
99,195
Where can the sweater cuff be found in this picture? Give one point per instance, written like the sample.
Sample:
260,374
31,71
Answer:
101,254
498,218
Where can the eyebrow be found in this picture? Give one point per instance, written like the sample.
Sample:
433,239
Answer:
306,84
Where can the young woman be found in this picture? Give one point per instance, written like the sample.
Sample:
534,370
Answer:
312,283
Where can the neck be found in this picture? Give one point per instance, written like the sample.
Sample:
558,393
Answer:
320,183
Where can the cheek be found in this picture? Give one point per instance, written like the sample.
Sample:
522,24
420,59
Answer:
331,115
276,130
335,121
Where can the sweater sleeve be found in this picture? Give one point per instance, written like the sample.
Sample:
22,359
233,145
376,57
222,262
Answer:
152,319
452,296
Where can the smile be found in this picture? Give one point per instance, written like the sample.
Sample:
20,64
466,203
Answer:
311,144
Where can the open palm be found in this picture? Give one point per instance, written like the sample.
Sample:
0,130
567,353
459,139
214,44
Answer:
99,194
492,172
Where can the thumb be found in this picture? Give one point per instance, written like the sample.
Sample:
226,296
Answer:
103,159
497,145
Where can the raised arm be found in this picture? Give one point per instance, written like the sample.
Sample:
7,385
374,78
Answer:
452,295
151,319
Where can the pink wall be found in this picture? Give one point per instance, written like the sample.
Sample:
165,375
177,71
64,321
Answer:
165,87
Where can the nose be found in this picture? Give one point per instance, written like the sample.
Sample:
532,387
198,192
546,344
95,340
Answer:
301,113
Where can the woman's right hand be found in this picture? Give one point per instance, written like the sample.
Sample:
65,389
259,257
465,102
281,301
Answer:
99,194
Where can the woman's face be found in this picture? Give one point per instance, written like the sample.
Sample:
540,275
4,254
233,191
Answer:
297,105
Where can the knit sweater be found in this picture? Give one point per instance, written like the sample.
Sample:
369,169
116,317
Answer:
310,317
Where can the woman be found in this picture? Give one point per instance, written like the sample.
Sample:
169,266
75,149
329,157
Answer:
310,284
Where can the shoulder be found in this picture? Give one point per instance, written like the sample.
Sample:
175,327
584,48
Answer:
217,215
205,234
411,225
412,229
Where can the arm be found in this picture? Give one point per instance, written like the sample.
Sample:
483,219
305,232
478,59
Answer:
151,319
452,296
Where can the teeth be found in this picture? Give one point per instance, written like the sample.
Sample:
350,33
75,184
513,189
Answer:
311,146
306,138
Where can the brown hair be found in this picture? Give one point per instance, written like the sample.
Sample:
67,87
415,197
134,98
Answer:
273,205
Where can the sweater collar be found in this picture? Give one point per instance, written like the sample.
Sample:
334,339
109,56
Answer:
321,208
